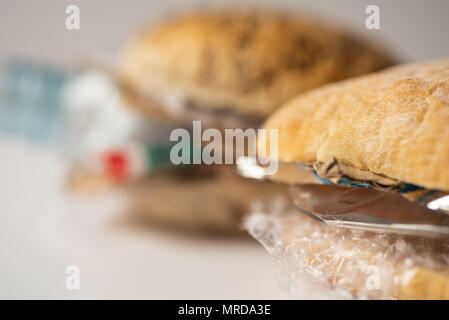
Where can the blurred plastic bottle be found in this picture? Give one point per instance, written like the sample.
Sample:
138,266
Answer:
81,113
30,98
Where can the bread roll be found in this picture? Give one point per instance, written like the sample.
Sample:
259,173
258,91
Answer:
243,62
394,124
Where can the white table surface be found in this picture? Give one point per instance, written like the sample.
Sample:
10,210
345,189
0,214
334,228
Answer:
42,230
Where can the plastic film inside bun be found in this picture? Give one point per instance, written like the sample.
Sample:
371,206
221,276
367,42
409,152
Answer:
322,262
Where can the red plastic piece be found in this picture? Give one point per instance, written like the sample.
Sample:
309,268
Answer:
116,164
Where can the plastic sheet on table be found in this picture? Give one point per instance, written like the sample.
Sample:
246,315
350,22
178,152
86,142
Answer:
322,262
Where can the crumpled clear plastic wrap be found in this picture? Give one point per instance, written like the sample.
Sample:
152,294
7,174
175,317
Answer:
323,262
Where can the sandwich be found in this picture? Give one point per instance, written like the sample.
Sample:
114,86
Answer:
378,145
229,69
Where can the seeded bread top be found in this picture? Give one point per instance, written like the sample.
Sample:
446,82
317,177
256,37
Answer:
248,62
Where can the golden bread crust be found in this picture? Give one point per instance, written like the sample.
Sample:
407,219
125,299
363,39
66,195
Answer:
393,123
249,62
